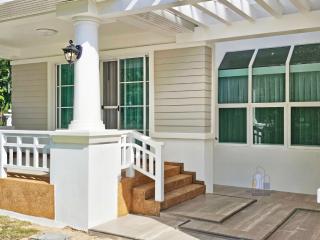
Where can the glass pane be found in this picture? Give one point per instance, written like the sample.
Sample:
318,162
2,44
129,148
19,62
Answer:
233,125
131,70
67,96
271,57
147,69
305,86
67,74
305,126
268,126
66,117
236,60
233,89
132,118
304,54
58,75
131,94
268,88
147,93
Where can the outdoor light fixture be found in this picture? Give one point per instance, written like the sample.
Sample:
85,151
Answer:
72,52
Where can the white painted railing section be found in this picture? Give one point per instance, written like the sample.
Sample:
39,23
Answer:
24,152
142,153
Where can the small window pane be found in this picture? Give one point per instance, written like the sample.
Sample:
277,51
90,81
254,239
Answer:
131,94
66,117
131,70
268,126
66,96
132,118
271,57
236,60
304,54
305,126
67,74
305,86
233,125
268,88
233,89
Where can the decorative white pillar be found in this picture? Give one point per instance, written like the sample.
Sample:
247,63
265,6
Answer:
87,107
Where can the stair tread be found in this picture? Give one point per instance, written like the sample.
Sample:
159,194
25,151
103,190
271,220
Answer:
167,180
180,191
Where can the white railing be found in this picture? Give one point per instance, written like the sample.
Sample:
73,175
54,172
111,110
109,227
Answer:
25,152
142,153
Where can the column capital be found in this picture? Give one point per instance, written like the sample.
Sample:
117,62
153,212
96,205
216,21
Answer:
86,18
81,9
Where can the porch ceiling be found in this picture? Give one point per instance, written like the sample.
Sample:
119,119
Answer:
171,18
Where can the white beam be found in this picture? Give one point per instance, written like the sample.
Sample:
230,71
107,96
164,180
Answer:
273,7
241,7
215,10
193,15
303,6
287,24
119,8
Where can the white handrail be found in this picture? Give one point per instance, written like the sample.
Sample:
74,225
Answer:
24,151
142,153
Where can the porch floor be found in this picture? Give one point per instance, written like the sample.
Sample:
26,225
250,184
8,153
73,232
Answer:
229,213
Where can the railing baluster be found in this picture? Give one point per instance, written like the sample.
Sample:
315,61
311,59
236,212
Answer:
19,151
27,157
151,165
159,181
11,156
3,156
44,159
35,152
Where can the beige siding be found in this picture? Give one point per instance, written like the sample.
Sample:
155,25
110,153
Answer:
29,96
183,90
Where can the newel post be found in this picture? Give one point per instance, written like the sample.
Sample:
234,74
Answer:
159,182
3,156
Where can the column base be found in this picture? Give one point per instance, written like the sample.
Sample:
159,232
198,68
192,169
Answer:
86,125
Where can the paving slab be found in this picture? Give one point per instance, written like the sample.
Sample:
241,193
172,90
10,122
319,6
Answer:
303,224
211,207
141,228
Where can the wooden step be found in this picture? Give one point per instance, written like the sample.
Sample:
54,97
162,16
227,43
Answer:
170,183
182,194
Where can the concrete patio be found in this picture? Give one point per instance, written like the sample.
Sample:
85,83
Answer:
229,213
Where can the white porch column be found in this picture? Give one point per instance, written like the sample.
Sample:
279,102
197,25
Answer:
87,112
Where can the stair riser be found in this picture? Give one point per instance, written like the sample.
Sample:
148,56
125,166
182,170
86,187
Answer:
172,172
170,186
182,198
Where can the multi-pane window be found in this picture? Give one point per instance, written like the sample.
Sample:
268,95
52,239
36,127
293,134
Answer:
284,89
64,93
232,94
305,95
134,94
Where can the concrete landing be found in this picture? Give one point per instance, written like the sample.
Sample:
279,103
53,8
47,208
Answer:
143,228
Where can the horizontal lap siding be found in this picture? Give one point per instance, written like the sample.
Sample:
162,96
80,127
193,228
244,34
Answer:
183,90
29,96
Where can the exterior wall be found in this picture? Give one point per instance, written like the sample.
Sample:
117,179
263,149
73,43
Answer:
34,198
292,169
183,90
30,96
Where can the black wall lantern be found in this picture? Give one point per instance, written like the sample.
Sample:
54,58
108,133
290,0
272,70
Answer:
72,52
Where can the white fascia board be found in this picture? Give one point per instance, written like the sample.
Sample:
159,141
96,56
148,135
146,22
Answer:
215,10
303,6
273,7
116,8
9,52
287,24
241,7
194,15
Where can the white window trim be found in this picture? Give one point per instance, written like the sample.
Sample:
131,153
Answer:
287,105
